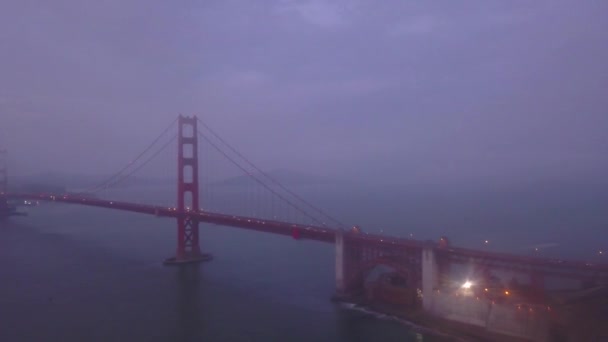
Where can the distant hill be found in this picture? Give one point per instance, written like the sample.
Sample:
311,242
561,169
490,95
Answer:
40,188
69,182
51,179
76,181
286,177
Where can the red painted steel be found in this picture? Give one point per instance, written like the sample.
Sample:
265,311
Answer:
187,225
295,233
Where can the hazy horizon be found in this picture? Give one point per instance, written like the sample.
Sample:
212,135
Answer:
406,92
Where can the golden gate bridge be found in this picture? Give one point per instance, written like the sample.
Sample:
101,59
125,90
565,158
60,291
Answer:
428,264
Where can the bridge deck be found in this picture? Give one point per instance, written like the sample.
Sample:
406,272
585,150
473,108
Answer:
558,267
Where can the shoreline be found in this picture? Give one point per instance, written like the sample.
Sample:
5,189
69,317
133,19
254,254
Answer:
422,322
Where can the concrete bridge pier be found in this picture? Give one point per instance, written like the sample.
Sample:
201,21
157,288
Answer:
348,259
430,276
340,282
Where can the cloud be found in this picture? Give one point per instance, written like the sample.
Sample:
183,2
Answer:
508,18
441,79
321,13
415,26
341,88
245,78
262,86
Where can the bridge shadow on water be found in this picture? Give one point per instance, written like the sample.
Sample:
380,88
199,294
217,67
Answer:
189,313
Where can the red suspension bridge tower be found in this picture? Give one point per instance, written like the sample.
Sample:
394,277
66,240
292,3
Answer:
188,248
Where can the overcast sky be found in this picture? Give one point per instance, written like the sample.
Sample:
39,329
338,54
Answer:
405,91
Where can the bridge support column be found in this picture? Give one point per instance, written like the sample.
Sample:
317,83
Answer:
340,281
188,249
348,259
430,278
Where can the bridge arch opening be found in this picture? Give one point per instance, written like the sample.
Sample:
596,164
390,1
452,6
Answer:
188,174
187,130
374,269
388,281
188,150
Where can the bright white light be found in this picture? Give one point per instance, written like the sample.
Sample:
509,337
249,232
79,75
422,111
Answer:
467,285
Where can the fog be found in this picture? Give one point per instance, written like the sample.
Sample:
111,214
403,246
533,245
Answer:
399,91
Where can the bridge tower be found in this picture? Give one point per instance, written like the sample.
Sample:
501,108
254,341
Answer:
188,248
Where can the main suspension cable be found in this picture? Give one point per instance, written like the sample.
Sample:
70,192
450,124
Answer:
258,180
140,166
272,179
109,180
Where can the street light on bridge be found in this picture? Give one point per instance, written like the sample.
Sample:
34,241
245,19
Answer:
467,285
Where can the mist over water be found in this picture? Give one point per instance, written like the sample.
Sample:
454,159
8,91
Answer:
79,273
